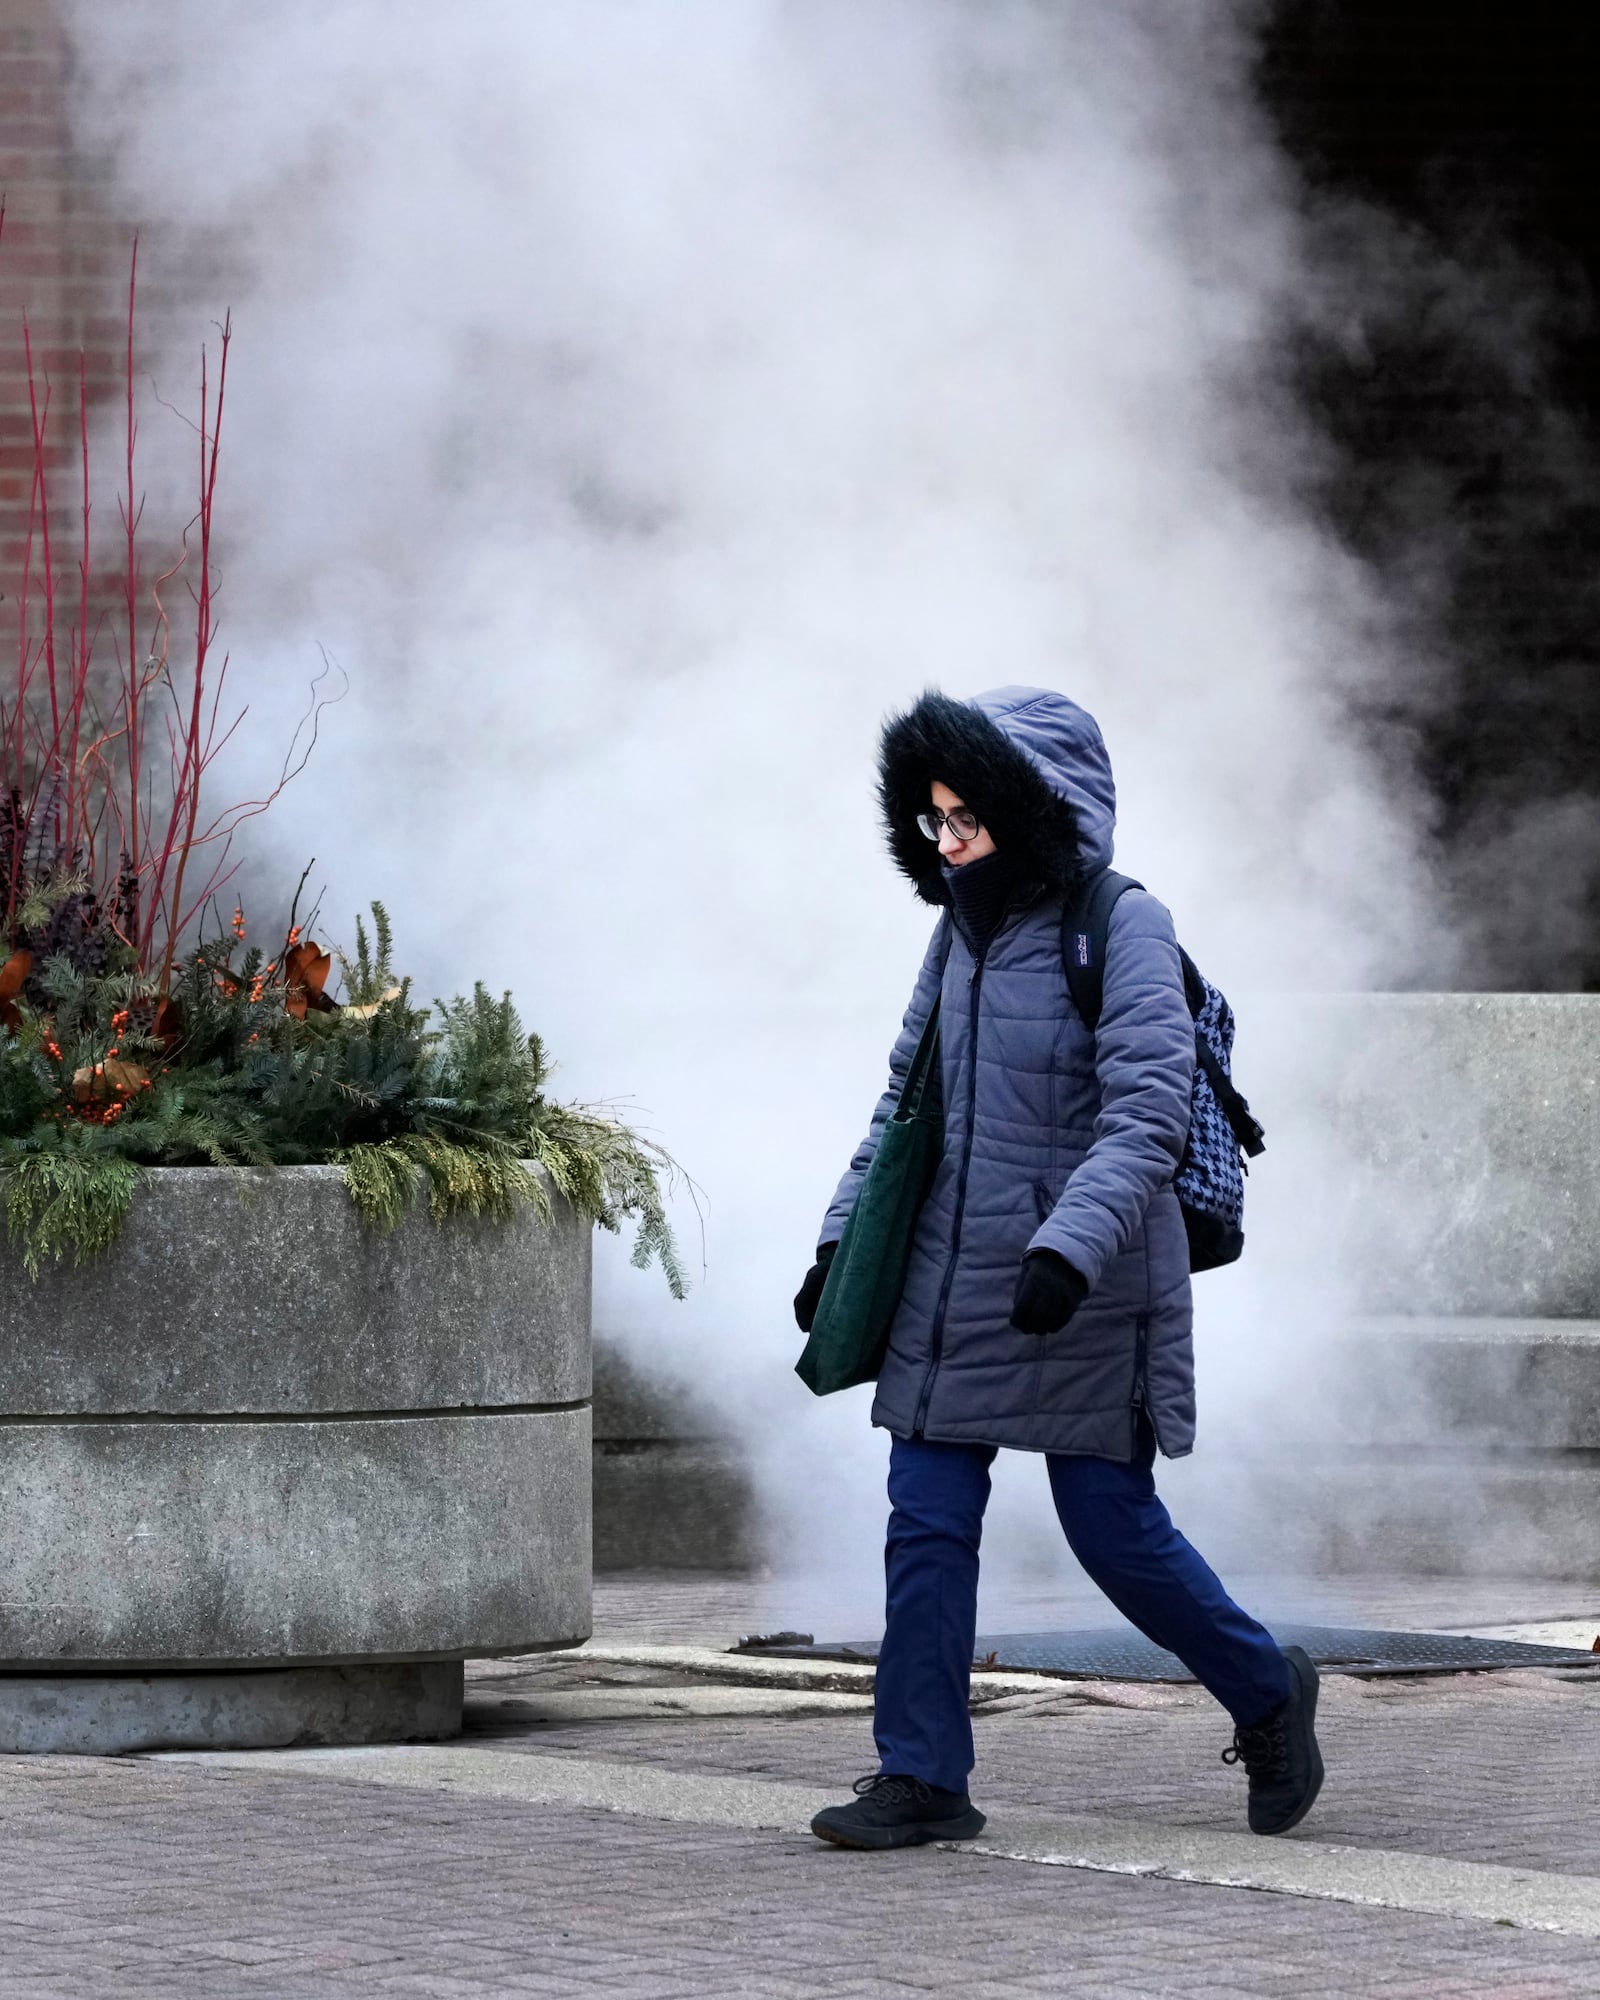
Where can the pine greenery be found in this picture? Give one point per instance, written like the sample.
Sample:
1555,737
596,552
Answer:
61,1202
99,1076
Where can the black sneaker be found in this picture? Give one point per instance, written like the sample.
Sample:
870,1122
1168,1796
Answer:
890,1811
1280,1753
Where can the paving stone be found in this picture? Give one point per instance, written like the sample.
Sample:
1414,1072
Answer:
146,1880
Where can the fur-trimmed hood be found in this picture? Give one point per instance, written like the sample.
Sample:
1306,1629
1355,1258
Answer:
1031,764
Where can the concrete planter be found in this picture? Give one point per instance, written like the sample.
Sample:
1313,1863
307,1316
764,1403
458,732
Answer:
257,1437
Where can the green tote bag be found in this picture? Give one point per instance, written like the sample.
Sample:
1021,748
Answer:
851,1328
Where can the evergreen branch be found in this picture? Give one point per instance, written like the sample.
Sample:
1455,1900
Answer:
101,1074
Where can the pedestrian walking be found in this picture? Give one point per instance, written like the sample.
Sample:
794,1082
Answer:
1046,1303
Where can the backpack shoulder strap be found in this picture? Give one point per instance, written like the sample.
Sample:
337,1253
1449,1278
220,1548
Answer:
1085,925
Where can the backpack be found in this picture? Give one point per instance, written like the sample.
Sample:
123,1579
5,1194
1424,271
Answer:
1210,1180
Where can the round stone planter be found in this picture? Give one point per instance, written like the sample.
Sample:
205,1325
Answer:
267,1477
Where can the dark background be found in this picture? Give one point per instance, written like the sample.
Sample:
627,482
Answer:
1451,156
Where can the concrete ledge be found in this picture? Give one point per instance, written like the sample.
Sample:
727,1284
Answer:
1527,1516
632,1405
669,1491
1406,1511
1472,1127
672,1504
1437,1446
95,1715
238,1544
1481,1382
264,1294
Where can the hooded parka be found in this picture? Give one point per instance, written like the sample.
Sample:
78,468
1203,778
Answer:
1055,1138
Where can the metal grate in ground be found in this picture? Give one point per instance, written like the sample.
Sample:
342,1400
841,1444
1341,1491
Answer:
1118,1654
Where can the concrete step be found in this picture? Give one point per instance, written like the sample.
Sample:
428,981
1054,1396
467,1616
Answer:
671,1490
1511,1383
1434,1444
1442,1514
1447,1144
671,1503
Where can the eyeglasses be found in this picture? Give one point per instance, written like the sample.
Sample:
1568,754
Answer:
963,824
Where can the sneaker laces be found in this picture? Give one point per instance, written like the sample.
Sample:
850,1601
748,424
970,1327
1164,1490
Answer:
891,1789
1262,1747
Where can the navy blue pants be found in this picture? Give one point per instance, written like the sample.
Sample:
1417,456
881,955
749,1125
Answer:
1123,1536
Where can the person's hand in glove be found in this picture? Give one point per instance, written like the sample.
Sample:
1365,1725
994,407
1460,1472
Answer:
806,1299
1049,1292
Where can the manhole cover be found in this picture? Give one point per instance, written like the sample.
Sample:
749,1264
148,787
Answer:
1115,1654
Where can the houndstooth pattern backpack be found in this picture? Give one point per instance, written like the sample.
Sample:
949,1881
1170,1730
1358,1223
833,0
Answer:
1210,1181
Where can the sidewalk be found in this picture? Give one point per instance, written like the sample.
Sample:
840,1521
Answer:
625,1827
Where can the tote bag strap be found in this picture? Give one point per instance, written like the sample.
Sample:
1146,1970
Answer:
915,1087
914,1090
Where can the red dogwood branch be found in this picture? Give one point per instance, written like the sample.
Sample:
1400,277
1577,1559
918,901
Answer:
77,778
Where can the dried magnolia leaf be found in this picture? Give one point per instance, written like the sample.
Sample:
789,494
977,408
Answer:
98,1082
308,965
12,974
167,1027
369,1008
306,970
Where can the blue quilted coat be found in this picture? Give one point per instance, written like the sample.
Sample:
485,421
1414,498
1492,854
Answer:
1054,1138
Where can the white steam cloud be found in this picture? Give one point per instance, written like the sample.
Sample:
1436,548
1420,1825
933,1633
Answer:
639,401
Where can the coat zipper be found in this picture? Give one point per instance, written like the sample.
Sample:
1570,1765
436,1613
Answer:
1141,1358
975,987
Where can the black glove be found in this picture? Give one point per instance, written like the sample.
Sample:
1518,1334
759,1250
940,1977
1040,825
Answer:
806,1299
1049,1292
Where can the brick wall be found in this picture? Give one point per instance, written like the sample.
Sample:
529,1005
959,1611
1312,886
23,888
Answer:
62,259
1467,421
1472,122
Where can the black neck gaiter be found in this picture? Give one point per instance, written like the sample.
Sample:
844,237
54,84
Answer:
979,891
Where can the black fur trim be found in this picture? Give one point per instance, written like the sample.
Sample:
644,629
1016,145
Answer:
958,744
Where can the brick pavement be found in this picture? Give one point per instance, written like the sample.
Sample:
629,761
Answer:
1484,1767
154,1879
